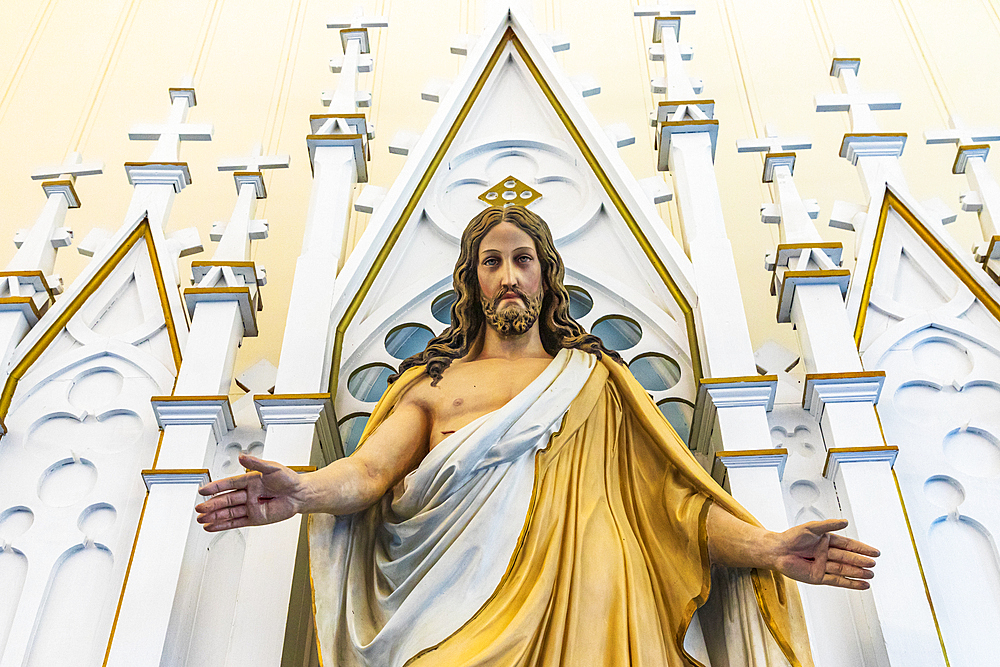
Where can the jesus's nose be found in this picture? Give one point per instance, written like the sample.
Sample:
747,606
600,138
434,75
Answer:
509,278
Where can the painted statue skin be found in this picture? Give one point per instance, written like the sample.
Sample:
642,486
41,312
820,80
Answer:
505,356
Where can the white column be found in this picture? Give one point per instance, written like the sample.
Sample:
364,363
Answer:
732,391
895,609
189,440
842,397
303,379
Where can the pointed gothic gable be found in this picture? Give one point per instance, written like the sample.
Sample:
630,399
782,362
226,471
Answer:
123,297
512,113
930,320
79,429
911,275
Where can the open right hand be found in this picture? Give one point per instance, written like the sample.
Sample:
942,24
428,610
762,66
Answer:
267,493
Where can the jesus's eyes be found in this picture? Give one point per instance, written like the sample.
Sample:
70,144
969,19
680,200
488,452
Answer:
524,259
491,261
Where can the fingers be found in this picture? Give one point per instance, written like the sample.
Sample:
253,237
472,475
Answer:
850,557
227,525
219,502
847,544
259,465
845,570
827,526
839,541
222,515
844,582
227,484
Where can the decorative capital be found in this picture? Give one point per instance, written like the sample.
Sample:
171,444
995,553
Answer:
837,456
669,128
199,476
728,392
749,458
176,174
859,145
290,409
790,280
850,387
840,64
215,411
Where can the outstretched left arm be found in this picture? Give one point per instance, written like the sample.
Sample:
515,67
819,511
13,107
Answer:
808,553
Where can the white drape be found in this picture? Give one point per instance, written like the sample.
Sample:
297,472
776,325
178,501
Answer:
407,573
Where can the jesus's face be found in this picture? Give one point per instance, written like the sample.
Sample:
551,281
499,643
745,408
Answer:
510,279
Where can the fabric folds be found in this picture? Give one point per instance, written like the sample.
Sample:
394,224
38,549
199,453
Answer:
607,565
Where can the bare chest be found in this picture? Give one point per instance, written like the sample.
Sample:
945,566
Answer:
470,390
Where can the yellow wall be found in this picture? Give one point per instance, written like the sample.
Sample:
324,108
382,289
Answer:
77,75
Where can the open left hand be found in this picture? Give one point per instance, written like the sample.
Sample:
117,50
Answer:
812,554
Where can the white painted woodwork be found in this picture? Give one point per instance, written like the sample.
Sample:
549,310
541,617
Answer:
62,566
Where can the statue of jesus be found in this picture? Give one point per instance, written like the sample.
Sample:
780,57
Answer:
518,499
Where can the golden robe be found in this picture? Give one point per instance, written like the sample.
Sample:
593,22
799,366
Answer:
612,560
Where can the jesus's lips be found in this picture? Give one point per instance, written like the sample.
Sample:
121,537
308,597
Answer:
508,295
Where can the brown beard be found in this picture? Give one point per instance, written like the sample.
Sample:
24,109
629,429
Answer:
511,320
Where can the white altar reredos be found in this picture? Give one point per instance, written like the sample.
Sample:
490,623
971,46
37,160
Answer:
166,349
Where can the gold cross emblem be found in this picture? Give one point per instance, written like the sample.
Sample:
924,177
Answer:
508,192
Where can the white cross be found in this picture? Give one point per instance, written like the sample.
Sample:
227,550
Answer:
359,20
346,98
234,237
663,9
859,103
169,135
254,162
71,167
961,135
790,210
772,143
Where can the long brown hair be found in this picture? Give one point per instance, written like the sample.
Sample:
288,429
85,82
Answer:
556,327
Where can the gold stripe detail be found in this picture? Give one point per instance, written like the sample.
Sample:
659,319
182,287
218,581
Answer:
142,231
803,246
920,566
428,174
909,529
182,399
962,149
128,569
845,376
302,468
846,450
750,452
740,379
945,255
212,264
166,472
288,397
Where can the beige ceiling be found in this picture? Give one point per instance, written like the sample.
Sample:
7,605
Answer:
76,75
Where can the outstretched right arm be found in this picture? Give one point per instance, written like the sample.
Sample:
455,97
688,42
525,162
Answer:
271,492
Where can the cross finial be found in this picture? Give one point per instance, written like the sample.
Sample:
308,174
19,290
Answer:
354,39
356,27
854,100
959,133
71,167
234,237
663,9
250,167
771,142
778,149
168,135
